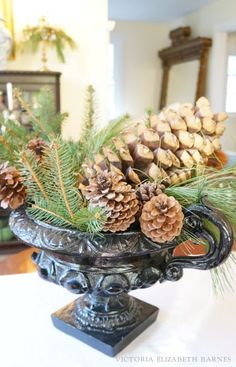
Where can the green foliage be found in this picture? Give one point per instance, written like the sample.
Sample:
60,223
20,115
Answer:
93,138
45,112
218,186
88,123
149,113
46,123
223,276
53,194
90,219
34,175
51,36
12,139
100,138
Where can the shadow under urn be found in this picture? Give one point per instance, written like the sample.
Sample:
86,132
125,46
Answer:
105,268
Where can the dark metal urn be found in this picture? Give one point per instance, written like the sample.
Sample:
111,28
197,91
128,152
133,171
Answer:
105,268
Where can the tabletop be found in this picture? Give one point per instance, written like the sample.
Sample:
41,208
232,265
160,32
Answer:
194,328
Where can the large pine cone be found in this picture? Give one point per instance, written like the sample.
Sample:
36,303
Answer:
37,145
166,147
162,218
107,191
12,190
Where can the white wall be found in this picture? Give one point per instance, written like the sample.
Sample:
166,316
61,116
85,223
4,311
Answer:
137,66
138,69
216,20
86,21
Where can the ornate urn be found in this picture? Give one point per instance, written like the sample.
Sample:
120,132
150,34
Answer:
104,268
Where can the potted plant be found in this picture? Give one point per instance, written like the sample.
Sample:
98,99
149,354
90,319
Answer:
45,36
108,211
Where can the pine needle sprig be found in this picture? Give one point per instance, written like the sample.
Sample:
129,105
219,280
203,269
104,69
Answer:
12,139
33,175
223,277
61,179
45,112
49,35
34,119
222,196
63,205
47,211
90,219
103,137
89,120
149,113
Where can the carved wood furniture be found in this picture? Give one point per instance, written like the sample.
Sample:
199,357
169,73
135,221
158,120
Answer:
184,49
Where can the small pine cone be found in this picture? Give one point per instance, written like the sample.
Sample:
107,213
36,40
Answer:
12,190
162,218
108,191
37,146
148,190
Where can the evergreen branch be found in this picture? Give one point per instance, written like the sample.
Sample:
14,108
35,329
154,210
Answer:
89,116
47,215
101,138
223,276
45,112
49,35
29,112
149,113
59,50
12,139
6,153
60,179
55,148
29,172
90,219
89,121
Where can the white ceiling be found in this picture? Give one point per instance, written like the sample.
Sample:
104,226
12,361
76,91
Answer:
153,10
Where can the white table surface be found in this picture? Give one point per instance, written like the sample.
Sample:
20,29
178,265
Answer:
192,324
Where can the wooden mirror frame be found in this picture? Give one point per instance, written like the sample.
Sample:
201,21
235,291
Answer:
184,49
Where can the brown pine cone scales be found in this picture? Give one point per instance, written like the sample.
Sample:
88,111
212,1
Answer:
108,191
181,137
37,146
162,218
12,190
148,190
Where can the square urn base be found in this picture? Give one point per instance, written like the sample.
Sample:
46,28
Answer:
107,343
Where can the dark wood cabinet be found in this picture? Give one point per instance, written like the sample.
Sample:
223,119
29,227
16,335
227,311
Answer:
30,82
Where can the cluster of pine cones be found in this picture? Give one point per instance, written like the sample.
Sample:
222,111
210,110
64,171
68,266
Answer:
160,216
128,178
167,147
122,177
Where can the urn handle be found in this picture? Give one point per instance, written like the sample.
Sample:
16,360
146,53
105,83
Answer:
196,218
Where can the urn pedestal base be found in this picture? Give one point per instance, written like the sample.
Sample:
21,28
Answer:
109,343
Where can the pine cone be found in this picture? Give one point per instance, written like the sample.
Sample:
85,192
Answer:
107,191
181,137
162,218
148,190
12,190
37,146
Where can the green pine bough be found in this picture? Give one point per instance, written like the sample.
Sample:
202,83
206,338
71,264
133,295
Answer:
45,36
